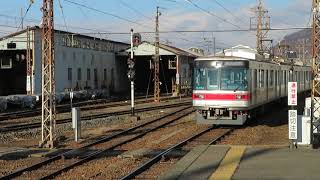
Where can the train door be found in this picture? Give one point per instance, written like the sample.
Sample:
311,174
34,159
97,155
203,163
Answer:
267,84
254,86
276,84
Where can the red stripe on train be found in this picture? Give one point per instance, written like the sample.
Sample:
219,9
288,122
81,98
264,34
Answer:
204,96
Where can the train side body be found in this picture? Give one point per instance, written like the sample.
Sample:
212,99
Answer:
229,90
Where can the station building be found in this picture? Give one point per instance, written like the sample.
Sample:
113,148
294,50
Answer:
81,63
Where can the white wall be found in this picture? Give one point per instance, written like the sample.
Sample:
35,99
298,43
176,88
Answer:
83,58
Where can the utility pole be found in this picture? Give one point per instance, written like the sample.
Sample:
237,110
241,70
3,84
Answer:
48,82
21,13
29,63
262,27
315,94
156,61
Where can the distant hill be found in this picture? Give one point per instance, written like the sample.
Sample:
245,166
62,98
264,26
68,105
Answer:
300,42
300,35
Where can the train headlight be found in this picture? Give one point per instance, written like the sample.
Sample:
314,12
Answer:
199,96
216,64
239,96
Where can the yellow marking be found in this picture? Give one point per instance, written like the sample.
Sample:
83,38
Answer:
229,164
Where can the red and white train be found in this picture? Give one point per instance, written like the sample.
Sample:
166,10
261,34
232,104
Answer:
228,90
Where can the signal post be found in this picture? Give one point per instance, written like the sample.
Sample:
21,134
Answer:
131,74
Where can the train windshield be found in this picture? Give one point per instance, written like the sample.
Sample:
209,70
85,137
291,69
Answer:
234,79
200,76
225,78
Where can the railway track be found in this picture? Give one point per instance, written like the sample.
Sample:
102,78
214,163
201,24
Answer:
19,127
183,144
92,150
88,105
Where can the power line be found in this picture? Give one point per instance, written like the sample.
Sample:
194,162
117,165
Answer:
210,13
103,12
226,9
208,31
64,18
134,9
30,4
38,21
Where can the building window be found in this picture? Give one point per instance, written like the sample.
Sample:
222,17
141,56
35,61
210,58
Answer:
95,71
105,74
79,74
88,74
70,74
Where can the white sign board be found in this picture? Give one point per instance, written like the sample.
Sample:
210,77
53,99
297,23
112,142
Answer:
293,118
292,93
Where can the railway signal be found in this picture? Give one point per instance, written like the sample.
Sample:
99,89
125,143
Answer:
131,72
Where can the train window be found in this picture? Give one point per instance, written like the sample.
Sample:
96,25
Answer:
200,78
285,77
261,78
271,78
280,77
276,78
255,76
213,79
234,79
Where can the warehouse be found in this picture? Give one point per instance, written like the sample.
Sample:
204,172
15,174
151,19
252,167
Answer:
81,63
175,68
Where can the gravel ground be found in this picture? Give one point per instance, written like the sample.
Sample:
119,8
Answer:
8,166
87,113
90,132
30,138
160,139
270,129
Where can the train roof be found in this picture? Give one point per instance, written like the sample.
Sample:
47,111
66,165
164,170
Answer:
220,58
234,58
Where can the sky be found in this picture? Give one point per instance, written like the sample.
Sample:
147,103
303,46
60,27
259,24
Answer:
111,16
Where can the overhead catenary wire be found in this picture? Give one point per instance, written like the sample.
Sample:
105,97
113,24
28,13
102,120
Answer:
64,17
25,14
231,13
212,14
135,10
56,24
106,13
208,31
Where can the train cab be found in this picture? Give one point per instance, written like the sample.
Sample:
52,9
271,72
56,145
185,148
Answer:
221,90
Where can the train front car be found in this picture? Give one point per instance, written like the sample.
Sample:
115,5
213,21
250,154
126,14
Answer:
221,90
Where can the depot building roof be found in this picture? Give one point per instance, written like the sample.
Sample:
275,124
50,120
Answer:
148,49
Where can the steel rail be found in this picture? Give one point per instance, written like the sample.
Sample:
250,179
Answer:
96,153
98,104
158,157
87,118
